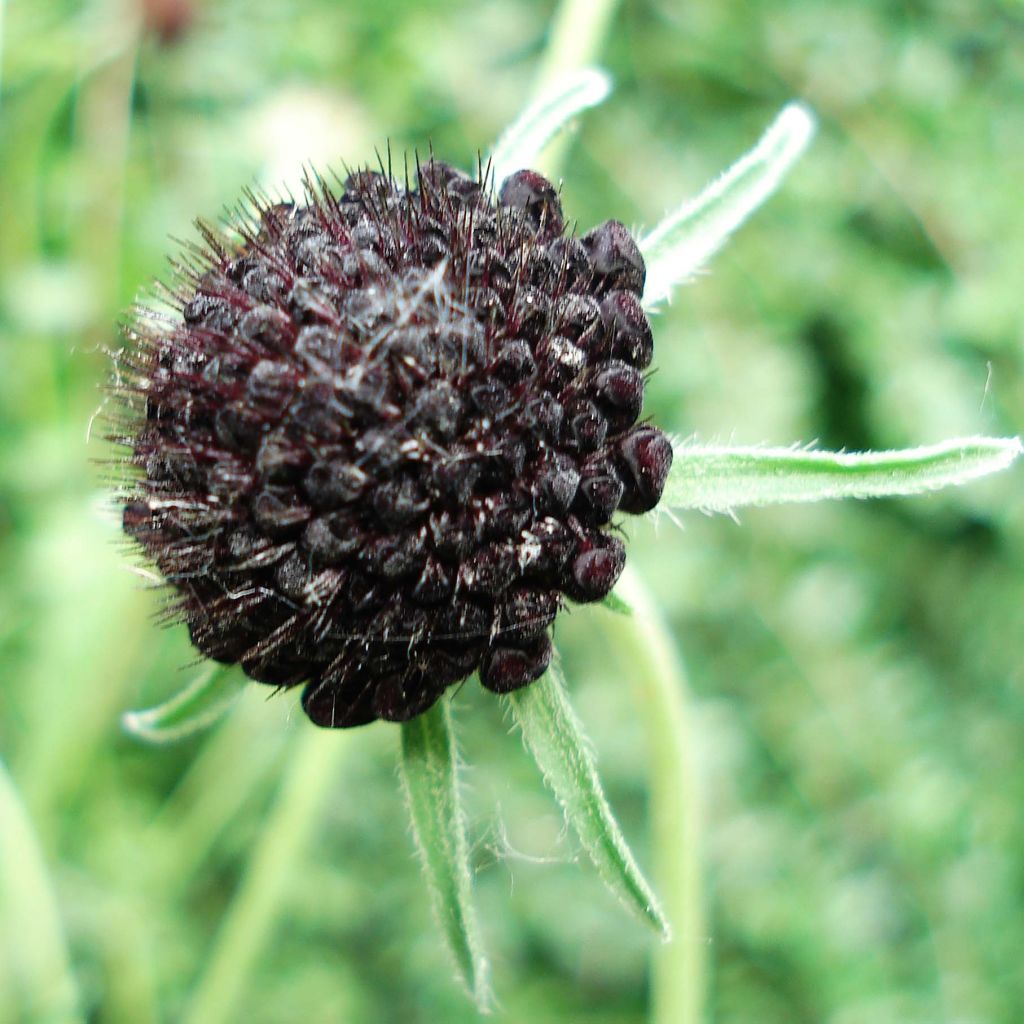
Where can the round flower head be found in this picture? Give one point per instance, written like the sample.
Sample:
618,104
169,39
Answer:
387,436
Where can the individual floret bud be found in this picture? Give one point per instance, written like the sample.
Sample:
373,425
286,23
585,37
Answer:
646,457
629,332
616,257
536,198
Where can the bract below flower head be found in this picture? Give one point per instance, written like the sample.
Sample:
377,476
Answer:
386,438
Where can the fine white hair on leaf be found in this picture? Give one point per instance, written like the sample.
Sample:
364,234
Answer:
521,143
721,479
686,239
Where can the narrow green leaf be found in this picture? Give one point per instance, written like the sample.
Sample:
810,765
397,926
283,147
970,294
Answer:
614,602
430,781
685,240
721,479
520,146
190,710
40,985
555,739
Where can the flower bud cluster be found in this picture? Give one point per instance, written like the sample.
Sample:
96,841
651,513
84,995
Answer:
387,436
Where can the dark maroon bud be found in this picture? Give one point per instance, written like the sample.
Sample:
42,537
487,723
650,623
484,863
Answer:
451,665
507,519
365,593
452,534
266,328
539,270
275,669
587,426
245,547
511,456
278,461
536,198
505,669
316,417
439,407
332,484
365,235
559,360
361,268
514,363
599,495
311,304
456,478
556,482
434,584
220,640
335,707
543,417
628,329
208,311
410,350
292,576
319,347
433,243
228,478
646,456
547,547
276,515
324,546
596,569
270,383
530,314
264,284
381,446
619,388
401,696
489,307
616,257
572,264
237,269
489,571
315,254
379,449
399,502
576,315
179,465
394,556
526,613
466,622
441,178
136,517
490,397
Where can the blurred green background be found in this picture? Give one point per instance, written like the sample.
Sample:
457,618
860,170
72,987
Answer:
856,670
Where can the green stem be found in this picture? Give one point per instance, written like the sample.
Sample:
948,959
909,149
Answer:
577,35
312,773
649,652
40,982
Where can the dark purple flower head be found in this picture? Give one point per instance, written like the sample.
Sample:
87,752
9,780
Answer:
387,436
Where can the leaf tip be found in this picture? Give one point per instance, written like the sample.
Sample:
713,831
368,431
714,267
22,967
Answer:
594,84
793,129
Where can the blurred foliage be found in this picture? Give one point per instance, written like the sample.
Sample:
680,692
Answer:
858,671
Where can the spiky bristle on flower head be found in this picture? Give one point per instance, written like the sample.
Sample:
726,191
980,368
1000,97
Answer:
386,437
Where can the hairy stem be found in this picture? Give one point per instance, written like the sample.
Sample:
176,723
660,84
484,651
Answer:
311,775
577,35
649,654
40,986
